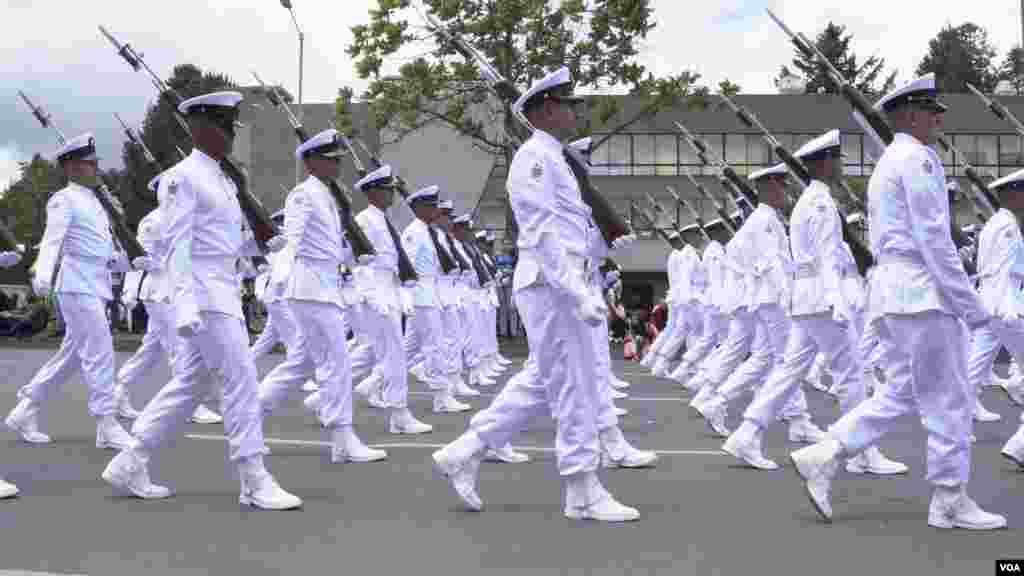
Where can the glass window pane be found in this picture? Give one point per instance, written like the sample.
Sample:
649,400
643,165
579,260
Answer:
967,144
643,149
1009,151
736,149
758,152
986,155
665,154
599,156
619,155
851,147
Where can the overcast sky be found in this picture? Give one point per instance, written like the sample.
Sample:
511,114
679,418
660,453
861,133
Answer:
53,51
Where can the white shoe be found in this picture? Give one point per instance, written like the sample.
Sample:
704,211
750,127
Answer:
259,488
616,383
477,377
24,420
368,386
502,360
714,412
7,490
802,429
660,368
310,386
124,404
952,508
1014,390
872,461
445,403
982,414
1014,448
460,388
128,472
459,463
745,444
706,393
587,499
617,452
312,403
616,395
402,421
204,415
647,360
817,464
110,434
506,454
347,447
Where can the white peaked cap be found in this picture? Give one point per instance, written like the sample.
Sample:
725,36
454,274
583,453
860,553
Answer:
560,77
446,205
226,99
430,193
326,143
82,147
382,173
918,89
779,168
827,140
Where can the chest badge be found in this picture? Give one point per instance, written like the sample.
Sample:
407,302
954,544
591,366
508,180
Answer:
537,171
927,167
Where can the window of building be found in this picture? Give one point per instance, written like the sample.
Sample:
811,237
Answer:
666,154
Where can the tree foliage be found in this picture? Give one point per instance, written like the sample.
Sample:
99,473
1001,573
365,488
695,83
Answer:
599,40
1012,69
868,76
958,55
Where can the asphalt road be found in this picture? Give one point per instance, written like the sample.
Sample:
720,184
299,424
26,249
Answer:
702,512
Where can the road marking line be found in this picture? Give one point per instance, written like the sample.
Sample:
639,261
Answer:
434,445
637,399
26,573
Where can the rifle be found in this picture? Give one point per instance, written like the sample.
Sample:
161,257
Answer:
861,252
123,235
740,187
719,208
361,245
693,213
985,203
611,224
650,222
406,271
874,123
262,226
375,161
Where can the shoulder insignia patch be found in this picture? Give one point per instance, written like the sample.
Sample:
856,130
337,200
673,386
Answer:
537,171
927,167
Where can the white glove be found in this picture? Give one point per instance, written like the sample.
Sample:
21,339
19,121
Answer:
838,315
262,268
8,259
144,263
120,263
191,329
623,241
591,309
365,259
41,286
276,243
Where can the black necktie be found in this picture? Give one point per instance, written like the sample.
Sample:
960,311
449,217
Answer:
442,255
394,235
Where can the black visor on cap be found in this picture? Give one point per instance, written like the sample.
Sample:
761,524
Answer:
329,150
223,117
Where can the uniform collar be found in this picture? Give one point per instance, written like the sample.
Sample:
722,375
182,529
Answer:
909,138
204,158
547,140
770,210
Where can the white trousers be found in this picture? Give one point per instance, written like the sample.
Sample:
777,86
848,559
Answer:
732,353
675,317
985,346
716,327
770,329
158,341
563,348
471,352
271,333
385,354
925,370
424,334
87,347
451,322
222,349
689,320
808,335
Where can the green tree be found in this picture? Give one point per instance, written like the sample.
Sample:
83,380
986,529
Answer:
868,76
164,137
958,55
1012,69
24,201
599,40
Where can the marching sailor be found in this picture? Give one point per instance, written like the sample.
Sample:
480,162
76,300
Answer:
77,239
559,310
203,228
922,299
8,259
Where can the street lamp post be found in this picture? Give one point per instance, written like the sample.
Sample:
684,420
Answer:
302,37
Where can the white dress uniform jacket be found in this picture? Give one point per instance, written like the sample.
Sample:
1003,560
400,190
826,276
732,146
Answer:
817,246
764,251
1001,265
420,248
378,280
919,266
78,237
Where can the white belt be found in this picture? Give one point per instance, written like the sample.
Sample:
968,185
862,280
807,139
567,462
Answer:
806,270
